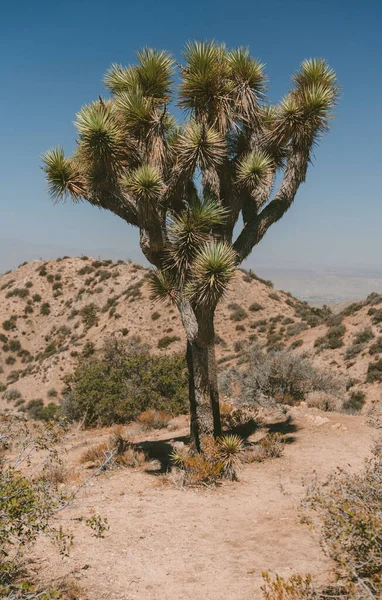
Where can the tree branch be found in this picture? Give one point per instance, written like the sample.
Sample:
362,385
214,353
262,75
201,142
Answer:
256,227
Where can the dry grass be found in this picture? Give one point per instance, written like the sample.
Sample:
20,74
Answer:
270,446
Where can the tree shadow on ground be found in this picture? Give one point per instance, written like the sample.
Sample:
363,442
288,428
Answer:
161,450
286,428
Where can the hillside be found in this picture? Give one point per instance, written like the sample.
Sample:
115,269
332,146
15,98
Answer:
51,312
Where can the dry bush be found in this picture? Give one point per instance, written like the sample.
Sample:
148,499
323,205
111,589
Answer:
279,377
350,510
117,450
270,446
322,401
55,473
154,419
238,416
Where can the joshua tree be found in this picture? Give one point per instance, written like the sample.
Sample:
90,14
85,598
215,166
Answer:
185,186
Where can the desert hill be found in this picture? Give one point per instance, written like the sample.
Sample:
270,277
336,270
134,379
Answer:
52,312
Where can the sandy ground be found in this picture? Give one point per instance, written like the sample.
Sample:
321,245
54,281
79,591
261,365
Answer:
169,544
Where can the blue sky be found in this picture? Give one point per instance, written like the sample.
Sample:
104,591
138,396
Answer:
54,55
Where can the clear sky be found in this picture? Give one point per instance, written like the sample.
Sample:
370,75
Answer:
55,53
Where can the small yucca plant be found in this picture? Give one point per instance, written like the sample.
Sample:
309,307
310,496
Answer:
231,454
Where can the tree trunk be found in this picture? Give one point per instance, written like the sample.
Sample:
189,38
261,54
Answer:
201,362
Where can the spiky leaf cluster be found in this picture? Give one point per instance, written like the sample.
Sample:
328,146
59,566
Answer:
185,186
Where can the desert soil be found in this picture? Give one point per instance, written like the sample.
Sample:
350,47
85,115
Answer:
166,543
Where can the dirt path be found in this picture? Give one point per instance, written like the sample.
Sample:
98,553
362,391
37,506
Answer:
169,544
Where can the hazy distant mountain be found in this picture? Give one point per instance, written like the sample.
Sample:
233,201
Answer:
317,285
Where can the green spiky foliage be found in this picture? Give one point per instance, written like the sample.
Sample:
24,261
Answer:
186,185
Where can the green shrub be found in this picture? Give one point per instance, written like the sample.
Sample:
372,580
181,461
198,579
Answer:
42,271
89,315
377,316
37,411
85,270
165,341
238,313
373,299
355,402
255,306
374,372
274,296
376,348
12,395
155,316
10,360
353,351
296,344
363,336
121,381
14,345
352,309
29,284
45,309
10,324
36,298
52,393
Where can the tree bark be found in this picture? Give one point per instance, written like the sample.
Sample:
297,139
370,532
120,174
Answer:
201,362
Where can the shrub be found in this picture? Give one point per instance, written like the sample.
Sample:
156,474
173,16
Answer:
250,275
238,313
121,381
36,298
12,394
14,345
88,349
295,329
10,324
353,351
42,271
322,400
274,296
351,517
373,299
283,376
154,419
220,458
352,309
89,315
333,338
270,446
376,348
52,393
39,412
364,336
165,341
377,316
296,344
255,306
374,372
355,402
29,284
10,360
18,292
45,309
155,316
